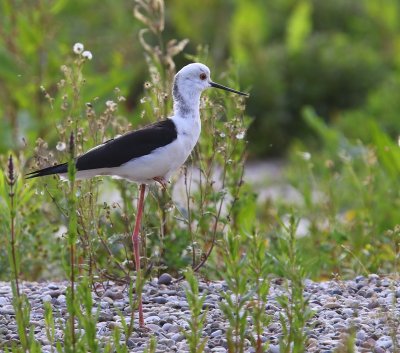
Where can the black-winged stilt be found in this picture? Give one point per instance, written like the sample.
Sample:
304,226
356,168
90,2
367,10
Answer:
153,153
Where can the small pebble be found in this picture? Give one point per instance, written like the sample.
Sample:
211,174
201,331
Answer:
361,303
46,298
165,278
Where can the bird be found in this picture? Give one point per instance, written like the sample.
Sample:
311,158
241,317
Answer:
153,153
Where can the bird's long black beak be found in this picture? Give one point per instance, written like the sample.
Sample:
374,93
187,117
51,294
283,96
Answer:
217,85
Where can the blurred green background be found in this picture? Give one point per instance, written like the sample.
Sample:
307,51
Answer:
342,57
324,78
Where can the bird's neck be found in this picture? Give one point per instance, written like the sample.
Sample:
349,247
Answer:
186,102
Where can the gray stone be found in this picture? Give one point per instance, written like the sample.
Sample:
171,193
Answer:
130,343
46,298
152,319
373,304
373,277
348,312
177,337
384,342
360,335
166,342
165,278
113,294
154,327
167,327
105,316
107,300
53,286
159,300
216,333
274,348
218,350
332,305
3,301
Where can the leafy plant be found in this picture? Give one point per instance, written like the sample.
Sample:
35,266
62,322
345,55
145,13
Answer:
258,274
198,315
295,314
235,301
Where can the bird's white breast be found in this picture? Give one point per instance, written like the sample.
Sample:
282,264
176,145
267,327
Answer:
164,161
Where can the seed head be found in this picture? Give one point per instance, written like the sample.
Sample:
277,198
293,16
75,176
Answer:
111,105
87,55
61,146
71,143
11,174
78,48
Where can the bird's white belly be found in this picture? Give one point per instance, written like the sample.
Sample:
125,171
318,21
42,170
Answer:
162,162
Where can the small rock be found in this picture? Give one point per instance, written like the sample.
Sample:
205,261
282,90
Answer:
273,348
379,350
170,327
373,276
218,350
384,342
165,278
46,298
360,335
332,305
152,319
105,316
167,342
348,312
373,304
3,301
47,348
216,333
113,294
107,300
153,327
159,300
54,293
359,278
336,291
130,343
177,337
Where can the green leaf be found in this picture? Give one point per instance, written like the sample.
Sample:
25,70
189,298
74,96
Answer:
9,69
299,26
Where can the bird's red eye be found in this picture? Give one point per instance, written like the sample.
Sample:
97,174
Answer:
203,76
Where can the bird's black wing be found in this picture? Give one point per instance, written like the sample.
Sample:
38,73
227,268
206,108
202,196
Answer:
120,150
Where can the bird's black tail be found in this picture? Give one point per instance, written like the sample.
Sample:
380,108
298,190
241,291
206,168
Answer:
57,169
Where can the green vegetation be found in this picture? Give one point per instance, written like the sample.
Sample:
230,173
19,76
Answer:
324,78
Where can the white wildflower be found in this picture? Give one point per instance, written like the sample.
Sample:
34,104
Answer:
240,135
87,55
222,134
111,105
61,146
305,155
78,48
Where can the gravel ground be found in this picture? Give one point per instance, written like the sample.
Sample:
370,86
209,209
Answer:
366,303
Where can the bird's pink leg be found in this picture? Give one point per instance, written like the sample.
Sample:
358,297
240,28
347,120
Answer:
135,241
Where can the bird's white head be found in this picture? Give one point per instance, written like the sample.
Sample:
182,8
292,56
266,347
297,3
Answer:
189,82
194,76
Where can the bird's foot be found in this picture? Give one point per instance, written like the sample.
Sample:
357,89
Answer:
161,181
143,328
